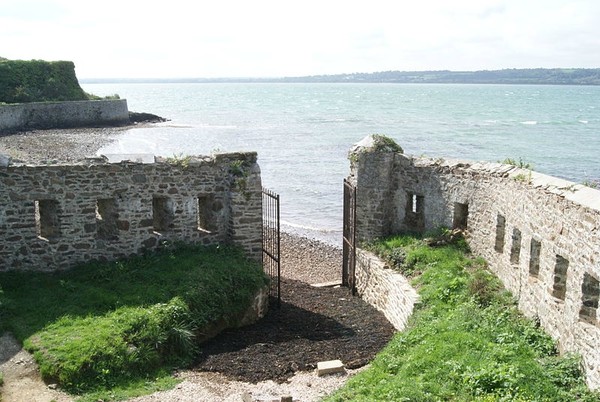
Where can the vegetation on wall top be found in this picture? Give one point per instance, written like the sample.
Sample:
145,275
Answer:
38,81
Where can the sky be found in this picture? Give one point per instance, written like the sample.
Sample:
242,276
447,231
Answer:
283,38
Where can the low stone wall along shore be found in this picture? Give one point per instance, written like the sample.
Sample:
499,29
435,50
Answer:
45,115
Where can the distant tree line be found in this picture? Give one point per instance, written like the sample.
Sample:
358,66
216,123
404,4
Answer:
555,76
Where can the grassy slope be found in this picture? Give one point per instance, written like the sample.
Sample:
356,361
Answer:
109,325
465,342
38,81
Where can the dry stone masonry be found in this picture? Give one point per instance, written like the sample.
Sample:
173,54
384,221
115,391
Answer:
540,234
55,216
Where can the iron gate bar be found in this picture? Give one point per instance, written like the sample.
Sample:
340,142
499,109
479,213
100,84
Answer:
349,235
271,243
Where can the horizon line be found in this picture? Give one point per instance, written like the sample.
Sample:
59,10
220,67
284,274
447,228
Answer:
260,78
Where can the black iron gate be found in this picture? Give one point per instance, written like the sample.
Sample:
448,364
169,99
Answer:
271,242
349,247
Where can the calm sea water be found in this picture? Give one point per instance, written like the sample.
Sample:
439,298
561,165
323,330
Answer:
302,132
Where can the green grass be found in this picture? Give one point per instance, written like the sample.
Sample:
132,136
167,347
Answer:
466,340
119,327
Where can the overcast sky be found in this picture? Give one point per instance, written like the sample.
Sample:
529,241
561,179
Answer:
276,38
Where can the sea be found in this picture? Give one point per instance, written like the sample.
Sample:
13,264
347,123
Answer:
302,132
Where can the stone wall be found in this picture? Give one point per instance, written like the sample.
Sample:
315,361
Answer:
36,115
55,216
540,234
385,289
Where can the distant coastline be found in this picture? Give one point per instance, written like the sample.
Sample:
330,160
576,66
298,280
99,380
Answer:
536,76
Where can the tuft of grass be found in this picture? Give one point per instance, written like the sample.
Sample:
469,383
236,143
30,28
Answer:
520,163
385,144
466,341
592,183
107,326
180,160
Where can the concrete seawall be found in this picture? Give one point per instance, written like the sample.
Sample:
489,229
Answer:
45,115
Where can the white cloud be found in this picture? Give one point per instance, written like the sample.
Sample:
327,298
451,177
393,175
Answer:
274,38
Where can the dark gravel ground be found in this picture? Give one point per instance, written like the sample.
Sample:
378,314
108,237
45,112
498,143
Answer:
312,325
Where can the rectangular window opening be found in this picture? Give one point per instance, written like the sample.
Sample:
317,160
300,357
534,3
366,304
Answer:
47,220
208,212
515,249
107,217
461,214
163,214
415,212
500,229
534,257
559,288
590,289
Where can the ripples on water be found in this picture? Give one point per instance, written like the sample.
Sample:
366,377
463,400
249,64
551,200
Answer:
302,132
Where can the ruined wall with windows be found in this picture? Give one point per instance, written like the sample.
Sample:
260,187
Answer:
55,216
539,234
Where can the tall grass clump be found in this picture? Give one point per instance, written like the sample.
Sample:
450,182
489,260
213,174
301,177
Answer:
103,326
466,340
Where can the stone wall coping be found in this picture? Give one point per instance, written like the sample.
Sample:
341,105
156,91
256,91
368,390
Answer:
138,158
189,160
16,105
578,193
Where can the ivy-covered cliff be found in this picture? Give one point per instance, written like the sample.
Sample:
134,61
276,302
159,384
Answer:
38,81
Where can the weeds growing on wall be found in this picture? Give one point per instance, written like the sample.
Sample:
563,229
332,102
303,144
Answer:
466,340
180,160
520,163
104,327
385,144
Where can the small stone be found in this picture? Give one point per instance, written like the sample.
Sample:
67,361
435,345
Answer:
329,367
246,397
4,160
52,386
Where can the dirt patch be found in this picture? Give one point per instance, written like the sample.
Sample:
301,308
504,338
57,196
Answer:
22,380
312,325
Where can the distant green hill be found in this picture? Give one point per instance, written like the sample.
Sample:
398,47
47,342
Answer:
38,81
538,76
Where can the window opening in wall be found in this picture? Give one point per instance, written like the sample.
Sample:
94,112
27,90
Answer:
163,214
590,289
500,229
47,221
559,288
415,212
208,211
534,257
515,249
461,214
107,216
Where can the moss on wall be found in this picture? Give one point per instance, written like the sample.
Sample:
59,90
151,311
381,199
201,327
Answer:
38,81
